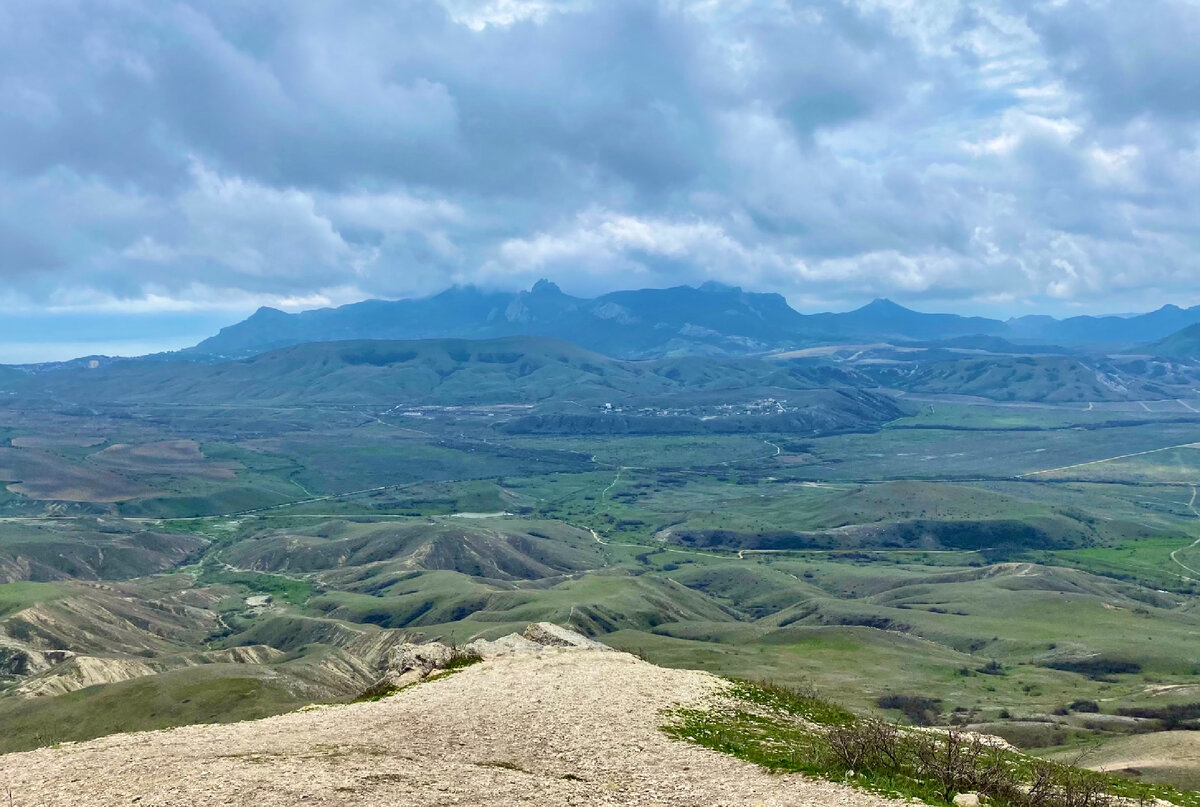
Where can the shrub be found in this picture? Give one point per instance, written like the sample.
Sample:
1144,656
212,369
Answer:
1098,669
1174,716
1065,786
959,764
944,764
868,745
921,711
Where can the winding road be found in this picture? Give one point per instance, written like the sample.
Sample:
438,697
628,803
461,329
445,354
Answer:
1191,506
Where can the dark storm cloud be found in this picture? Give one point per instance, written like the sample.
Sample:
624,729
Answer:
211,156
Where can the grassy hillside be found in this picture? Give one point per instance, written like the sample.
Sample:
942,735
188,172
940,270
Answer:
1033,378
514,370
1184,344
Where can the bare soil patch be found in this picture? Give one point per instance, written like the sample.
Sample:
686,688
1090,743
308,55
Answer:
64,441
40,475
169,457
1169,757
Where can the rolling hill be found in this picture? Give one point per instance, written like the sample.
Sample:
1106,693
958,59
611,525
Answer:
833,391
512,370
1051,379
1183,344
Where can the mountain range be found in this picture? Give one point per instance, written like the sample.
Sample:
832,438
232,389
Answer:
711,319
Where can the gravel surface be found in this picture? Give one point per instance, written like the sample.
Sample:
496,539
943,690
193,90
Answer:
558,727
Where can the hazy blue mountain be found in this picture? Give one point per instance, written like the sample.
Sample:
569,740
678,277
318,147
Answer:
712,319
1105,331
885,320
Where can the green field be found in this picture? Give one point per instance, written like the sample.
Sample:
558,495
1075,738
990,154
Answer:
929,557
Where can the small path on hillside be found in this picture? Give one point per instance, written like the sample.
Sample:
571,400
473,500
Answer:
604,493
1191,505
1192,444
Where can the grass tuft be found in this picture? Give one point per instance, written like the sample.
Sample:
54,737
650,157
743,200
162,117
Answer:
795,731
461,659
796,701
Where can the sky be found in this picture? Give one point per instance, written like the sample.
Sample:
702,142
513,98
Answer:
167,167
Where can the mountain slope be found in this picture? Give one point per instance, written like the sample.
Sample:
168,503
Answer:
436,371
1183,344
512,370
1054,379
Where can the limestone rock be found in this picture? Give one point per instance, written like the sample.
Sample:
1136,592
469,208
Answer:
512,644
419,658
967,800
411,662
550,635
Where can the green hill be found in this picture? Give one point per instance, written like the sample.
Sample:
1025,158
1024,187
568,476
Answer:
512,370
1184,344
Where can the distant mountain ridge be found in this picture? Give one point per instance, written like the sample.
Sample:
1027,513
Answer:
712,319
1106,330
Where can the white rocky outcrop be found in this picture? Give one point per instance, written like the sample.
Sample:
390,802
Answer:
81,672
547,634
553,727
415,661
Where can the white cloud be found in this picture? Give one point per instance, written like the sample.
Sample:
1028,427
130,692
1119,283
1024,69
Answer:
601,244
1046,154
479,14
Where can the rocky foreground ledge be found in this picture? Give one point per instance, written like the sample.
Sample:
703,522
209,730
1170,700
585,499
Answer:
412,662
547,718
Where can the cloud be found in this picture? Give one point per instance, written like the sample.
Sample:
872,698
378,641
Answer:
649,251
217,156
1128,60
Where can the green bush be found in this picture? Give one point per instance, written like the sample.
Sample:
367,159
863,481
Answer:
921,711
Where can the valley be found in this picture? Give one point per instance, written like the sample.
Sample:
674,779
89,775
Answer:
855,462
195,552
